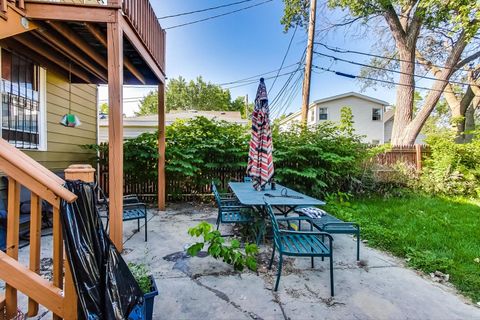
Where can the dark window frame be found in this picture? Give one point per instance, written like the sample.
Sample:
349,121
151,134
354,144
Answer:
20,101
375,115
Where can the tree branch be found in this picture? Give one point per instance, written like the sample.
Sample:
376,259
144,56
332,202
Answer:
467,60
395,25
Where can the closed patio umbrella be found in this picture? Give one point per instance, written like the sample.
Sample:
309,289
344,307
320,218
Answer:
260,161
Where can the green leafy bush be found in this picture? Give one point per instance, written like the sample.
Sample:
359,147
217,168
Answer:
319,160
217,249
452,168
327,158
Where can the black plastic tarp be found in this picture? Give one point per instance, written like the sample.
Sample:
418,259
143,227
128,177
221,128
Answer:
105,286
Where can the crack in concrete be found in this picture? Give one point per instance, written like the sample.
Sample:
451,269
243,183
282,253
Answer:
276,299
225,298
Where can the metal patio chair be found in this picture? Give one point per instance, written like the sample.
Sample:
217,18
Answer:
299,243
133,209
333,225
230,210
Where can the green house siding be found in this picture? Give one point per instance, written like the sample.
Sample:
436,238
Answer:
64,144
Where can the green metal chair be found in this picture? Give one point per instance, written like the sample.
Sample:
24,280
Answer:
133,209
333,225
299,243
230,210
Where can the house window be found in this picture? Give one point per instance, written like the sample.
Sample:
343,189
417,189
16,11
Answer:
322,114
376,114
312,115
20,99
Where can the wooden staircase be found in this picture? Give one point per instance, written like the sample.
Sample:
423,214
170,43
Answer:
57,295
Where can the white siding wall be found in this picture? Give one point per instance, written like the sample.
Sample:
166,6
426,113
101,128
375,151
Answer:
362,116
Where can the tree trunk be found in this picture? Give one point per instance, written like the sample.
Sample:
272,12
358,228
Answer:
469,124
405,96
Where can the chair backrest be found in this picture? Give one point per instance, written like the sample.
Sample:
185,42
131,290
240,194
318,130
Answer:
216,195
272,217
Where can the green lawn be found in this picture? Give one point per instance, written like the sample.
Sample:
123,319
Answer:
431,233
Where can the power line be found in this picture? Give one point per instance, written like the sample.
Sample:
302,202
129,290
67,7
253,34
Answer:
256,80
390,70
203,10
351,76
285,56
217,16
256,76
340,50
275,103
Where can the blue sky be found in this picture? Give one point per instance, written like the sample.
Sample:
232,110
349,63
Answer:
247,43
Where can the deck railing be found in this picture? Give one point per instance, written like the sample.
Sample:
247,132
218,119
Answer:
144,20
20,4
59,294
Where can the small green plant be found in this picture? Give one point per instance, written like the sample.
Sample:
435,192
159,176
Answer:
142,275
230,254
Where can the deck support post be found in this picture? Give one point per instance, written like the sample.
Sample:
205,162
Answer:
161,148
115,130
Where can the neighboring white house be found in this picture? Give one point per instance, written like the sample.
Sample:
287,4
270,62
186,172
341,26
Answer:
134,126
368,114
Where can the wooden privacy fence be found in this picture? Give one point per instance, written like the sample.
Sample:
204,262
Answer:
58,295
178,188
411,155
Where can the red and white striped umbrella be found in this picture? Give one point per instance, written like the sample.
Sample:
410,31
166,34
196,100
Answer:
260,160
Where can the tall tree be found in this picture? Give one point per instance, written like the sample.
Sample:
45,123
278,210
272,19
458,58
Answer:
407,22
148,105
193,95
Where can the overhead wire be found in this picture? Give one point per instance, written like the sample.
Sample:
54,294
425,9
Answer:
284,56
351,76
389,70
342,50
256,76
217,16
203,10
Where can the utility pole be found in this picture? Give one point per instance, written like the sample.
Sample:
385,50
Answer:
308,62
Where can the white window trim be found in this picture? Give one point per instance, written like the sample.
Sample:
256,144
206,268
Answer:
42,121
42,125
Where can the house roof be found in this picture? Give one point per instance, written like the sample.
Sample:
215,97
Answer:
337,97
173,115
388,115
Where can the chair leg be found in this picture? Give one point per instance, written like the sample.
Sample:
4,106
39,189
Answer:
271,259
279,273
313,263
138,224
146,233
331,275
358,246
323,240
218,221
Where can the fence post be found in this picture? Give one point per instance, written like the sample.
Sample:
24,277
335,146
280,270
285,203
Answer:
418,157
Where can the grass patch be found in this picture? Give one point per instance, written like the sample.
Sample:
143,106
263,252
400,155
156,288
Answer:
432,233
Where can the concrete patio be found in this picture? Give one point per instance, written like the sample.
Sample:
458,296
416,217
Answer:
203,288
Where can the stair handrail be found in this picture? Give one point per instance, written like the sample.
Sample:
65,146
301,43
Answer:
35,170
